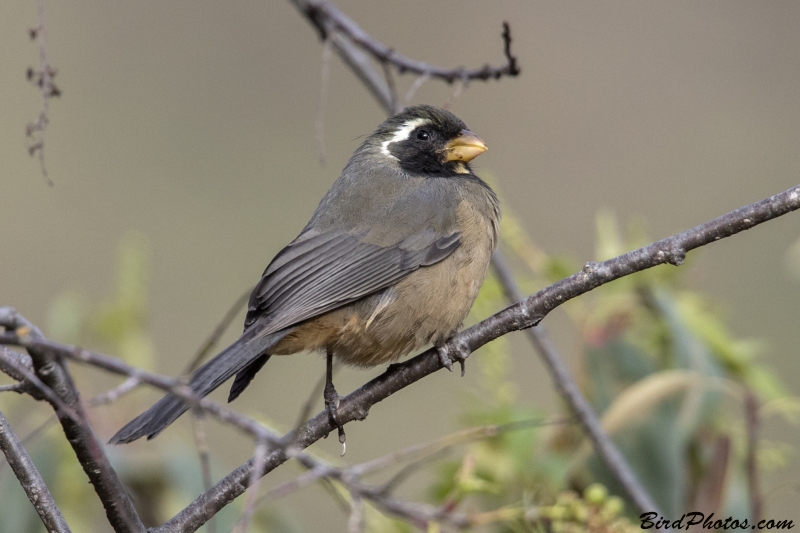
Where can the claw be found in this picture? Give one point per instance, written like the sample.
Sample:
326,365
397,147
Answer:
458,351
444,357
332,401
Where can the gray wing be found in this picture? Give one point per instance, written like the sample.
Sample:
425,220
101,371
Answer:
320,272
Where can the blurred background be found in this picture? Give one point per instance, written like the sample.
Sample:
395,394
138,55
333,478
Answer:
185,152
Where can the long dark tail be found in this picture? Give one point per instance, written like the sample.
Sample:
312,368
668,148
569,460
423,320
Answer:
238,357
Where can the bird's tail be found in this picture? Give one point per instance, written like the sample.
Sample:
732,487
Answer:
205,379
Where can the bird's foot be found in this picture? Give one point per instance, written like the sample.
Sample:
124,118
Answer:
453,351
332,405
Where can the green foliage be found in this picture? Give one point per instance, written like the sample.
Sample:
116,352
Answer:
668,379
596,511
656,360
163,480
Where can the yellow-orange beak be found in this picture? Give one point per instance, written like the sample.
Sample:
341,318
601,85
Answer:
465,147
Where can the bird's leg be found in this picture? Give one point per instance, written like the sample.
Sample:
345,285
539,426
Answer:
453,351
332,399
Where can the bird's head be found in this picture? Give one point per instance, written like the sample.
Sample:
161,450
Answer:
427,141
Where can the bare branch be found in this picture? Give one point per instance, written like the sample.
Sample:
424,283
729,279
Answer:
327,17
30,479
321,15
389,77
351,42
577,403
448,441
522,315
51,379
356,405
64,397
415,453
40,391
114,394
17,366
560,374
116,366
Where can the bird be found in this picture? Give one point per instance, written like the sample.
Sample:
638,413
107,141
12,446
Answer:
391,260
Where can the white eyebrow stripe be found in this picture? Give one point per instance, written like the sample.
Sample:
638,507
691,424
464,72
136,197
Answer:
402,134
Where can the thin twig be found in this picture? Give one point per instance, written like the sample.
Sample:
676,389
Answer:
522,315
458,89
44,426
17,366
418,514
259,459
30,479
361,64
114,394
334,492
117,366
213,339
327,17
751,405
40,429
356,405
42,78
351,42
448,441
61,393
415,453
355,524
324,87
389,77
201,443
12,363
410,469
419,82
43,392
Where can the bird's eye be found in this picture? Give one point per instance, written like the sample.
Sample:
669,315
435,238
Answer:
423,135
